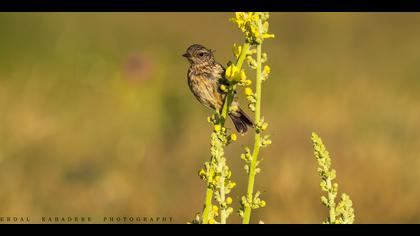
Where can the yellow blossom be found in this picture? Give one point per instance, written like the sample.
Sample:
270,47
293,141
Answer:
229,200
202,174
264,126
233,74
237,50
248,91
266,69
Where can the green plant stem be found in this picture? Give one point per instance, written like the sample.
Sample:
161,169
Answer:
207,202
257,141
231,91
223,115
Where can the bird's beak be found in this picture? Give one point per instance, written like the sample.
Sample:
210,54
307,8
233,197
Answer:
186,55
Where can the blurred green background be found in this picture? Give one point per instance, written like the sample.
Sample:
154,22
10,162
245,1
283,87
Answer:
96,117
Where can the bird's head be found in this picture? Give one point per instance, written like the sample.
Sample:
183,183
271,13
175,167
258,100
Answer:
198,54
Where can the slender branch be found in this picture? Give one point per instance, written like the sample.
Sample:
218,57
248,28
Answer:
257,141
231,91
209,196
222,119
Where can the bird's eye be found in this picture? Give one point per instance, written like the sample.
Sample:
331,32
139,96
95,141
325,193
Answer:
201,54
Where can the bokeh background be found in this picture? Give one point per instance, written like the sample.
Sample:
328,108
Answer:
96,118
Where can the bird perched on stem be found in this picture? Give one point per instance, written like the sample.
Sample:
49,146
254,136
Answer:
205,77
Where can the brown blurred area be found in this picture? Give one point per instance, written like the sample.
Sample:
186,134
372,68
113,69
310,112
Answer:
96,117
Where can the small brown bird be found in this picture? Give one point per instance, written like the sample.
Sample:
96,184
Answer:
205,76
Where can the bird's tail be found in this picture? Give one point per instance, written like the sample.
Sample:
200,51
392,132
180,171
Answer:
241,120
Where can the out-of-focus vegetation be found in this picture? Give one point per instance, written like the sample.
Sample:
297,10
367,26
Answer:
341,212
96,117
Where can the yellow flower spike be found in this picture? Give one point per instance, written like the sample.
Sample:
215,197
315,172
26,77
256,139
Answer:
248,91
248,23
254,27
229,200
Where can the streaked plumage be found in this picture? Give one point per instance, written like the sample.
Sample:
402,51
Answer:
205,76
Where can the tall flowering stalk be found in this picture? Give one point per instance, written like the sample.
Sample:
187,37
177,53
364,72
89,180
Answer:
216,173
254,25
342,213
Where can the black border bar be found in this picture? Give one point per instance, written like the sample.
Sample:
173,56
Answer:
210,5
